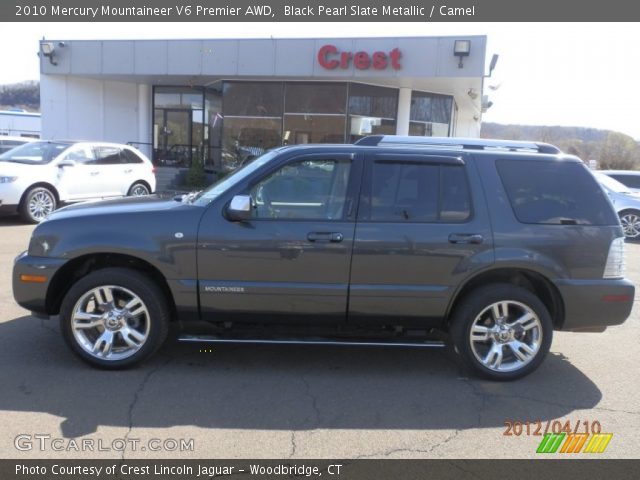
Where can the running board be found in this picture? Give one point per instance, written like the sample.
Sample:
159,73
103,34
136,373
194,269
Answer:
309,341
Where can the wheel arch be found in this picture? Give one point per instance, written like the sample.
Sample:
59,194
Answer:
535,282
143,182
46,185
81,266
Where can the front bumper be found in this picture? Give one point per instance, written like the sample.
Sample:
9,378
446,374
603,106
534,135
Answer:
33,295
8,209
593,305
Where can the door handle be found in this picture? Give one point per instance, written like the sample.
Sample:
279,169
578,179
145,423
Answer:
95,173
474,238
334,237
128,170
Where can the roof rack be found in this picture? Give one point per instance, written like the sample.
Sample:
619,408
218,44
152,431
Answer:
459,143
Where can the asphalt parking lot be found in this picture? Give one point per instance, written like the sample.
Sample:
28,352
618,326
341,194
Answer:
315,402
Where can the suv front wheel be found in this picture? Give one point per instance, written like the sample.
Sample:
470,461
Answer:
501,331
114,318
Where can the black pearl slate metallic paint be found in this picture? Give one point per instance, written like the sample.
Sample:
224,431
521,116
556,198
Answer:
366,275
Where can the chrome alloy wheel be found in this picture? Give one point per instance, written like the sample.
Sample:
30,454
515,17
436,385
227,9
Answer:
631,225
40,205
139,190
506,336
110,322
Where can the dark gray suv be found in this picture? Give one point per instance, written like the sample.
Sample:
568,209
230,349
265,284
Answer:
396,241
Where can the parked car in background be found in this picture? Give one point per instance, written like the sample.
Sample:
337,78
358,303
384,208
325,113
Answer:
626,203
35,178
629,178
8,143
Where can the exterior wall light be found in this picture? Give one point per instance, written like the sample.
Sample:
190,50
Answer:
48,50
461,49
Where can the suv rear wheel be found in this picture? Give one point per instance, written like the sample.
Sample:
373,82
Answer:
501,331
114,318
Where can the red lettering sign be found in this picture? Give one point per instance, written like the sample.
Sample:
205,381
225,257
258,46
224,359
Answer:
330,57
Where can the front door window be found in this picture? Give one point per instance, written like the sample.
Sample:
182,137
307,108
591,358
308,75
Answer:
303,190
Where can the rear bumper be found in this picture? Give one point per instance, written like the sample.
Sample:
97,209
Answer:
593,305
33,295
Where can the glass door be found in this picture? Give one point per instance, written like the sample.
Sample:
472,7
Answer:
172,137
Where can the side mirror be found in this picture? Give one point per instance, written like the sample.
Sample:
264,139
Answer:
239,210
66,163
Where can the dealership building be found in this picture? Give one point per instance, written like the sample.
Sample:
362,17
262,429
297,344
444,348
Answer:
223,101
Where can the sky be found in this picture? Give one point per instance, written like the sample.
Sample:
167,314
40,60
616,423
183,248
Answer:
569,74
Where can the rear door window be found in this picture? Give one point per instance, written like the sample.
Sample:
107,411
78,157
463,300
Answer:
416,192
555,193
109,156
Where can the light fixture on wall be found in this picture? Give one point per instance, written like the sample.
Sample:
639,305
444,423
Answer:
48,50
473,93
461,49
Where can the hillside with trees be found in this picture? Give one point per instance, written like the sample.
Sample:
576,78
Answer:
25,95
612,150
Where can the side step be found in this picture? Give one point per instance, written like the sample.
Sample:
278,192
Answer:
310,341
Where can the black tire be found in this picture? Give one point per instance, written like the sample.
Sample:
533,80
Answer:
155,320
477,303
36,204
137,189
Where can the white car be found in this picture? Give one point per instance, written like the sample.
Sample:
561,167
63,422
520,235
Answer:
37,177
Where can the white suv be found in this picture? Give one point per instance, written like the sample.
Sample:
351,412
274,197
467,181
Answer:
38,176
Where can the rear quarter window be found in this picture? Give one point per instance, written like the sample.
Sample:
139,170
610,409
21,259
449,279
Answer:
131,157
555,193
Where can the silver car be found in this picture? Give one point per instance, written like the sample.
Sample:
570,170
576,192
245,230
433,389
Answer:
626,203
629,178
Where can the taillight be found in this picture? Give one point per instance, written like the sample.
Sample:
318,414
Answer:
153,170
615,260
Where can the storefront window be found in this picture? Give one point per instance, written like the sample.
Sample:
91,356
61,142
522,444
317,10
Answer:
246,138
314,113
430,114
310,97
372,111
260,99
299,129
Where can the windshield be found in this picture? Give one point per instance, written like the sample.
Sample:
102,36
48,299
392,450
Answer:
610,183
229,181
34,153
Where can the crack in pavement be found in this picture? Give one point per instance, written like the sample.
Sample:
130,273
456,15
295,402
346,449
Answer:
316,409
294,446
386,453
136,397
313,398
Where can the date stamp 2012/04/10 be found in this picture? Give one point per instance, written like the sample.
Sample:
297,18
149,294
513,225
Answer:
561,436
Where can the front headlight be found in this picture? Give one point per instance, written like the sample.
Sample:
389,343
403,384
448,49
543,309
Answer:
8,179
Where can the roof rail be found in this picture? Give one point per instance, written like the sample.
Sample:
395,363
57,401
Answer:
460,143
